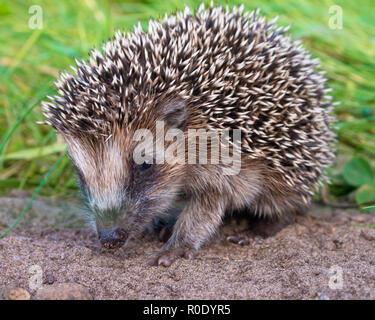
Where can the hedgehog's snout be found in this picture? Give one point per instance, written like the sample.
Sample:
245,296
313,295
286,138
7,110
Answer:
112,238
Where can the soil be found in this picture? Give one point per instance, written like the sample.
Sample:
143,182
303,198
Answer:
299,262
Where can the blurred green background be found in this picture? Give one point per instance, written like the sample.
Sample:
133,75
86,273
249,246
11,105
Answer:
31,59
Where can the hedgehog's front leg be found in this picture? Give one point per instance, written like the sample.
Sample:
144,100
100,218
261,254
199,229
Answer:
196,224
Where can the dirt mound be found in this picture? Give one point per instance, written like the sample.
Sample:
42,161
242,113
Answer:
300,262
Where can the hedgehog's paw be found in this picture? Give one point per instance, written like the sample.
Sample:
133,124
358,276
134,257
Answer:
238,238
165,257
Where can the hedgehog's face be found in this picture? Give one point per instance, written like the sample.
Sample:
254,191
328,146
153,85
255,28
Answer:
124,193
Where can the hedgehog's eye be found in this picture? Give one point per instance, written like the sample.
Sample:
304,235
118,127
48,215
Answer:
145,165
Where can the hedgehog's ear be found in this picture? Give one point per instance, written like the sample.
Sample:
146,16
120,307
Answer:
175,114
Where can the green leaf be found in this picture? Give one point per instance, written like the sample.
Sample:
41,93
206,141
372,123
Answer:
357,172
366,193
339,187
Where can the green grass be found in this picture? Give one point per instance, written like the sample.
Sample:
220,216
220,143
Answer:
31,59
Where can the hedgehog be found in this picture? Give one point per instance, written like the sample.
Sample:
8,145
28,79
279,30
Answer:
216,69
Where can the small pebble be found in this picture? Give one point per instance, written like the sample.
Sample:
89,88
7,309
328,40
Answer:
369,235
323,297
49,278
63,291
17,294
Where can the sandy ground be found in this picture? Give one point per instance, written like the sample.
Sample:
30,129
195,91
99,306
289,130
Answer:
296,263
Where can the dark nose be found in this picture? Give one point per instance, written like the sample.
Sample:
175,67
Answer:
112,238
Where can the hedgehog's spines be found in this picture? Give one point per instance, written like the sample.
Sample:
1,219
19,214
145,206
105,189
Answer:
236,69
